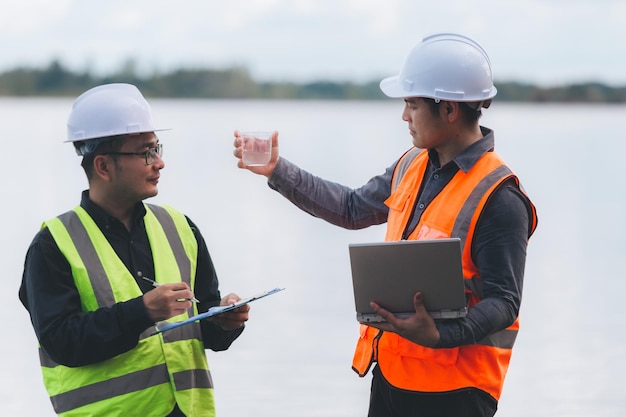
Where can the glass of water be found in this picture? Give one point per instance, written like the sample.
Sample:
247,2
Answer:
256,148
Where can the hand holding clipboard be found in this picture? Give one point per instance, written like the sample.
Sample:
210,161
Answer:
213,311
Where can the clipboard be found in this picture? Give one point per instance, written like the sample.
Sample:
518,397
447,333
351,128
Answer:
213,311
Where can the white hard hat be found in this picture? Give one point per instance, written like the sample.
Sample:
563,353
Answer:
444,66
109,110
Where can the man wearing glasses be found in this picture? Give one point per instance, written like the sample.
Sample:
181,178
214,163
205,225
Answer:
98,278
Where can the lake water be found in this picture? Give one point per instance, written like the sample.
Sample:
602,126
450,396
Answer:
294,357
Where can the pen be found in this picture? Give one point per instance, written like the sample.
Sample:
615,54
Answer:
156,284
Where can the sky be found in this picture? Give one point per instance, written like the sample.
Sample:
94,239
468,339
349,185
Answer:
545,42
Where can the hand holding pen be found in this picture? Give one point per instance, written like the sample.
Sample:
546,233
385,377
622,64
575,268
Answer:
156,284
166,300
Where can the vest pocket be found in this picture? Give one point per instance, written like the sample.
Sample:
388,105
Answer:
398,199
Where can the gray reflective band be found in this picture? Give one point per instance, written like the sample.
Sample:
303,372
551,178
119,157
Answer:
147,333
402,166
45,360
136,381
503,339
464,219
188,332
194,378
97,275
99,391
169,228
167,223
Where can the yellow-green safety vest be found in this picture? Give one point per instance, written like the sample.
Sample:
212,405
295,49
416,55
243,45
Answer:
161,370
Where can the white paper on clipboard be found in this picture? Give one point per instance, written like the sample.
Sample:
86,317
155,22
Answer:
213,311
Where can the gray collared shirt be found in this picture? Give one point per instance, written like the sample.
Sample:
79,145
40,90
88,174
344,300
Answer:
498,247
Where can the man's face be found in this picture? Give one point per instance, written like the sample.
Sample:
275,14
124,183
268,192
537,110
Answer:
133,179
425,128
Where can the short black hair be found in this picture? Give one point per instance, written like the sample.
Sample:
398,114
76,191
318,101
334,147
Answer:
469,114
107,144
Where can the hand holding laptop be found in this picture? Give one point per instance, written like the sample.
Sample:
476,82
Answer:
419,328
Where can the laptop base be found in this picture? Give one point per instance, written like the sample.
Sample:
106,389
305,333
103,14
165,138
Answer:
365,318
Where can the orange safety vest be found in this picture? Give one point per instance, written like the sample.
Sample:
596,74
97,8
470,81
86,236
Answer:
454,212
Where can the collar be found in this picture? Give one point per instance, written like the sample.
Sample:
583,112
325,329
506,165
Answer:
468,158
104,219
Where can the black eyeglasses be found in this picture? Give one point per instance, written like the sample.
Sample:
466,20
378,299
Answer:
149,155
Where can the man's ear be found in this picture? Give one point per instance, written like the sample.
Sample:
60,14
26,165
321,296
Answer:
451,110
103,166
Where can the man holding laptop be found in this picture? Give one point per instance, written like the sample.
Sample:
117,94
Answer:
451,184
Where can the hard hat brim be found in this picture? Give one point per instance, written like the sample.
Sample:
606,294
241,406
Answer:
113,133
391,87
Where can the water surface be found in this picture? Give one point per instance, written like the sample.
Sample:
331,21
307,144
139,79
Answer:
294,357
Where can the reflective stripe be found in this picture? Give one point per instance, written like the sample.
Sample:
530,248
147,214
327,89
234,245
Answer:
193,378
99,391
167,223
147,333
504,339
464,220
171,232
402,166
85,248
45,360
188,332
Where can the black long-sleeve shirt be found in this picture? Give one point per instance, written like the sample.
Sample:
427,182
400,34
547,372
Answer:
73,337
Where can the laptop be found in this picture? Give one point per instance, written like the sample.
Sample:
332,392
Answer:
390,273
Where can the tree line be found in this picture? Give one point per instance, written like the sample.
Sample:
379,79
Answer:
237,83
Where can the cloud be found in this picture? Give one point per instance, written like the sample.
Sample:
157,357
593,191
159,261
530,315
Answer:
533,40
